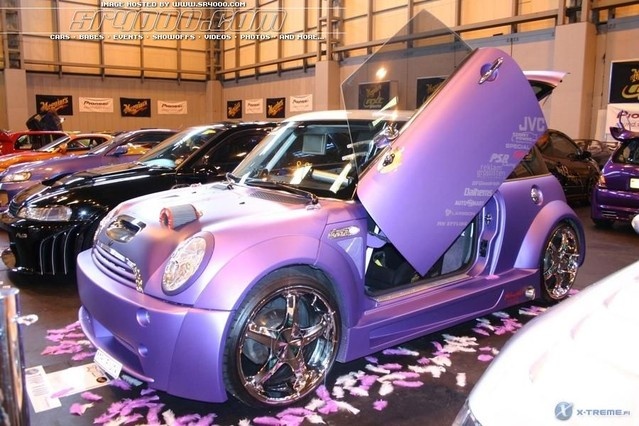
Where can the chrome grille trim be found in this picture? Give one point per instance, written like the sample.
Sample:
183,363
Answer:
116,266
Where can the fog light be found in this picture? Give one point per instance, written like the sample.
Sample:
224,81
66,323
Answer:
530,293
535,195
143,318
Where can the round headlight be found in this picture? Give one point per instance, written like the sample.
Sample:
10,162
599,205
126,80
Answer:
16,177
183,264
47,214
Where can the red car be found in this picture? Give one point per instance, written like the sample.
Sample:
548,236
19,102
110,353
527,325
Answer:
27,140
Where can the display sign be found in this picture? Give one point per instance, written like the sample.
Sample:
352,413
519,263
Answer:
301,103
626,114
425,87
275,107
135,107
374,95
254,106
624,82
62,104
234,109
95,104
172,107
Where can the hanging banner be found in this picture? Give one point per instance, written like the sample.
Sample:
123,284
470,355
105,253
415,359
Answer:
172,107
254,106
374,95
234,109
275,107
96,104
624,82
62,104
135,107
425,87
627,114
301,103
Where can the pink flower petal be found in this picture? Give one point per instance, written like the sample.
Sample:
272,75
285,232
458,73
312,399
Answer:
485,357
90,396
79,409
380,404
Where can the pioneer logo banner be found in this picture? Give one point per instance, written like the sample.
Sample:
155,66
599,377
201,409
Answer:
173,107
135,107
61,104
96,104
301,103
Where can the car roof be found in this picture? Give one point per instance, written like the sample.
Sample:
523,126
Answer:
340,114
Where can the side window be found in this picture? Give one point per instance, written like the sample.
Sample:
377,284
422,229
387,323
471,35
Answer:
531,165
234,149
23,142
230,152
144,142
560,146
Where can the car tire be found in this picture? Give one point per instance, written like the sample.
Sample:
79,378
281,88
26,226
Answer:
559,263
283,340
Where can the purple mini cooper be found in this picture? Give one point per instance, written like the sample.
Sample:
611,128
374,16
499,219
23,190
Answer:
331,241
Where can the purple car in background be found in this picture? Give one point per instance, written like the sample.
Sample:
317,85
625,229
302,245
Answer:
321,248
125,147
616,195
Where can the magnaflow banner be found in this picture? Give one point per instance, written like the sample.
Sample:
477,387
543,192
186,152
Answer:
624,82
62,104
374,95
95,104
135,107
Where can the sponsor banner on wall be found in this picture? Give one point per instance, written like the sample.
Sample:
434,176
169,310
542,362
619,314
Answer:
425,87
627,114
172,107
374,95
301,103
95,104
275,107
234,109
624,82
62,104
254,106
135,107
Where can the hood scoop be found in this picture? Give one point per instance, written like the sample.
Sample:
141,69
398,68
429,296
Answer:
124,228
176,216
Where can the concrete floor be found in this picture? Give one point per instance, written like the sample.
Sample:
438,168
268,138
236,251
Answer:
433,400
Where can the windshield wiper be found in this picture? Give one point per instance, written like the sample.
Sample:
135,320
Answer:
279,185
230,179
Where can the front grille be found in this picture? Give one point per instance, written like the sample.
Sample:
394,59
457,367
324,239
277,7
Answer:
13,208
116,266
57,252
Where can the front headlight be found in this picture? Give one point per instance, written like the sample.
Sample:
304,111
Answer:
48,214
183,264
16,177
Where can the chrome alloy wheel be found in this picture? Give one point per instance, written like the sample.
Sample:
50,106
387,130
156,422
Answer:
287,344
560,263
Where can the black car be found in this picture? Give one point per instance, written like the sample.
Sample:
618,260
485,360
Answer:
575,168
600,150
50,223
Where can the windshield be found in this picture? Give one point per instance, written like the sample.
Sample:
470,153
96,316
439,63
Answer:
327,157
173,151
406,71
319,156
52,146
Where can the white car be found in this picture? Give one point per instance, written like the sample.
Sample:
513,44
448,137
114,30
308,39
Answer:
576,364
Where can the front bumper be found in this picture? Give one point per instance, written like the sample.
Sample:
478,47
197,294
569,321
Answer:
614,205
175,348
44,248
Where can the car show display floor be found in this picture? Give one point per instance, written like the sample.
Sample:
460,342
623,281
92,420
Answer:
423,382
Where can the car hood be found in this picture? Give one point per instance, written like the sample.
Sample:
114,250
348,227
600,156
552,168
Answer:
105,174
434,178
576,358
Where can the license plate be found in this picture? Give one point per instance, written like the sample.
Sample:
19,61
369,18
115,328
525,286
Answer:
107,363
634,183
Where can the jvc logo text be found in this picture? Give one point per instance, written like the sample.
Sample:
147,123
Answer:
533,124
